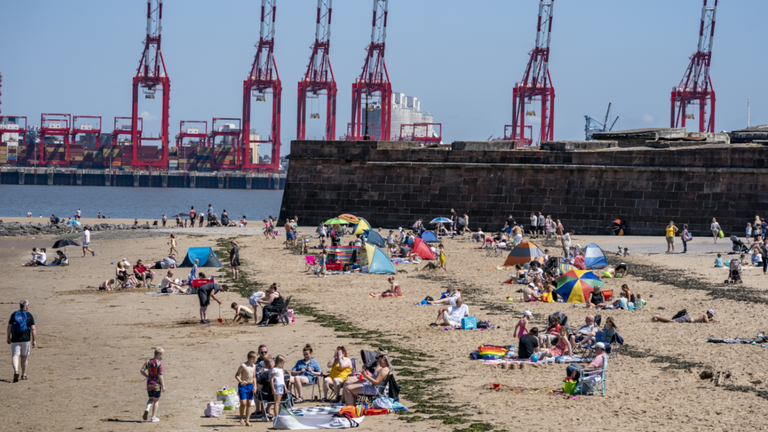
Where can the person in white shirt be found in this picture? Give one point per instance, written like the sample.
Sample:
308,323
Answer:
41,258
451,316
87,242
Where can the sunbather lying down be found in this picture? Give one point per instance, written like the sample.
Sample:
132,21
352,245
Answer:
393,291
704,318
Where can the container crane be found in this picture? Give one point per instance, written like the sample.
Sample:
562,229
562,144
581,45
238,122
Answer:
594,126
151,76
259,82
373,79
319,76
696,85
535,85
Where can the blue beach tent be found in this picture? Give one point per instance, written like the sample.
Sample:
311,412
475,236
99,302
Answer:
429,236
594,257
204,254
374,238
378,260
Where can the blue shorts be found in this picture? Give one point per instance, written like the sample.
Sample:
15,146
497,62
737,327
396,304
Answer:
245,391
154,394
509,230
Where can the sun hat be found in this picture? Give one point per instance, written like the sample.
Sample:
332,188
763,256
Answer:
711,312
528,313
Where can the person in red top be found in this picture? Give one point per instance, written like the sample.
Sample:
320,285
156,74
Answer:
153,372
142,273
192,214
552,332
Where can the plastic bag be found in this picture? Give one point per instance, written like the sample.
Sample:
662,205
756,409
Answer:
214,410
721,234
384,402
229,398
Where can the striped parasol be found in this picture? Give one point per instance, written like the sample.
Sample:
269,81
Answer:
576,285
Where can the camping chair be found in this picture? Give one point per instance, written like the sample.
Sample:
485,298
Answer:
282,315
586,382
266,398
616,344
311,263
332,389
382,390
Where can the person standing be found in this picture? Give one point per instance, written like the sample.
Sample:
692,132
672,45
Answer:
455,220
21,336
715,227
685,236
234,259
192,216
671,233
542,225
204,294
173,245
165,219
534,223
209,213
78,214
87,242
466,225
153,372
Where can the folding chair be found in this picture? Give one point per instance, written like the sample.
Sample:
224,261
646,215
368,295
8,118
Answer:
266,398
593,380
382,390
282,314
311,263
616,344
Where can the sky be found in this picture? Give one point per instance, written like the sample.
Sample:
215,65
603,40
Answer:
460,58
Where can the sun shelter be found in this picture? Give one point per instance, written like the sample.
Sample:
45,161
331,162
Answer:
522,254
429,236
594,257
575,286
343,253
422,249
374,238
361,226
378,260
204,254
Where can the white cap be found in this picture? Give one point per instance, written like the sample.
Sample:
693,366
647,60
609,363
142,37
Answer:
600,345
528,313
530,284
711,312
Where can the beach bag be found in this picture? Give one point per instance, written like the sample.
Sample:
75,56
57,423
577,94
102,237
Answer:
229,398
288,315
721,234
384,402
19,322
214,409
687,236
569,387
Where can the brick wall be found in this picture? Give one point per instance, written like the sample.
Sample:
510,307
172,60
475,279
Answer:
392,184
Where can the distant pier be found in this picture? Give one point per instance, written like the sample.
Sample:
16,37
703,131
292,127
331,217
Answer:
155,179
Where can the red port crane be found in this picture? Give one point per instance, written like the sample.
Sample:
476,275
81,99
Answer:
536,85
261,81
151,76
373,79
696,85
319,77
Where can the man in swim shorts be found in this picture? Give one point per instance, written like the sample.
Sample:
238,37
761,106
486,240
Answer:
204,294
246,377
704,318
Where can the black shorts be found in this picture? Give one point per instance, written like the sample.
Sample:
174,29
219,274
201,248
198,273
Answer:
532,228
203,298
621,267
158,265
154,394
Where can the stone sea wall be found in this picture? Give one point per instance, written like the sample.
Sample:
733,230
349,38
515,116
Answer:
13,229
394,183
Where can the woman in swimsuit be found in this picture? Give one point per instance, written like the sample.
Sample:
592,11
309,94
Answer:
393,291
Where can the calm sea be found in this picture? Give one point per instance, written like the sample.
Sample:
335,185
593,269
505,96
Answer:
141,203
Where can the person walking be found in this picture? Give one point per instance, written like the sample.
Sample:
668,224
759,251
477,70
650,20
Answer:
715,227
22,335
671,233
87,242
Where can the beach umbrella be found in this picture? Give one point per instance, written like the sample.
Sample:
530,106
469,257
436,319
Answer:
350,218
576,285
361,226
64,243
440,220
335,221
522,254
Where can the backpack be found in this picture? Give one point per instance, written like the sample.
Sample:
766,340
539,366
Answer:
20,322
680,313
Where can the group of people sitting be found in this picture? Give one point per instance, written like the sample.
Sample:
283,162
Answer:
40,258
558,340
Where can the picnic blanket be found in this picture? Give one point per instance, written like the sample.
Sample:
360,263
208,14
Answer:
318,417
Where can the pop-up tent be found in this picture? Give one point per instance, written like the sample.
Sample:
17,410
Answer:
429,236
594,257
523,253
204,254
361,226
374,238
378,261
422,249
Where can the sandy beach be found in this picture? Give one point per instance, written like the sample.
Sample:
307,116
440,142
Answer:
92,344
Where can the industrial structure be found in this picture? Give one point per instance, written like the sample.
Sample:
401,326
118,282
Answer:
374,80
594,126
319,76
403,111
261,80
696,86
535,85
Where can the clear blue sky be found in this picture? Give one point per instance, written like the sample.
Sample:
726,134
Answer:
460,58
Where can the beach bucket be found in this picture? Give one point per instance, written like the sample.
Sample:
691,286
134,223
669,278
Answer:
496,386
569,387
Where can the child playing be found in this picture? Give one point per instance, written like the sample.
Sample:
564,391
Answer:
277,381
246,377
521,328
242,312
441,255
107,285
193,272
173,245
619,252
626,252
639,302
153,372
719,261
621,303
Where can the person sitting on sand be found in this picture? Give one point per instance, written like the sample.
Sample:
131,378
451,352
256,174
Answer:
60,259
529,293
107,285
31,262
393,291
168,285
452,315
596,299
242,313
447,300
621,302
704,318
